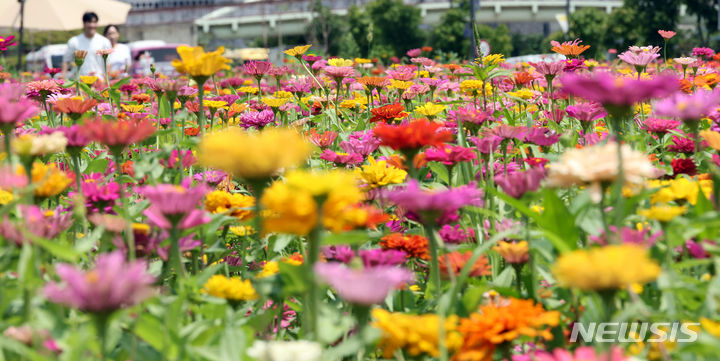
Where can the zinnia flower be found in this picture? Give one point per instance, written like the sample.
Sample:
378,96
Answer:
379,174
412,135
584,353
388,113
570,49
412,244
195,62
111,285
455,261
606,268
15,108
368,286
416,334
433,203
253,155
174,206
232,289
116,135
610,90
299,350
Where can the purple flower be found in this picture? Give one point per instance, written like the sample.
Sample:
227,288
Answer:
257,120
379,257
35,222
456,235
608,89
681,145
173,205
432,203
14,106
368,286
340,253
695,249
684,106
486,144
111,285
516,184
586,112
541,136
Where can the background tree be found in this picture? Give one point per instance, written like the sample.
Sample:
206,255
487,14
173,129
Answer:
359,29
449,35
325,28
590,25
706,15
651,15
395,26
622,30
499,38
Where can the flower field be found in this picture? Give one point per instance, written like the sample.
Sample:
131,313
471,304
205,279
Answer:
350,209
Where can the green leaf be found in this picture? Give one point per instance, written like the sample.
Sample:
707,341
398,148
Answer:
120,83
558,219
57,249
163,108
440,171
348,238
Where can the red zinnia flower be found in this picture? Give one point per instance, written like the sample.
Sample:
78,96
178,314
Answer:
412,135
684,166
388,112
116,135
412,244
455,261
192,131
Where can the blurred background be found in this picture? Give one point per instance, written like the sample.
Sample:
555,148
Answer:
381,28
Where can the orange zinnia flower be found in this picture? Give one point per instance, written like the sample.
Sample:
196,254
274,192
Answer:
569,49
455,261
74,105
140,98
388,112
117,134
412,244
413,135
523,78
427,48
192,131
503,321
373,81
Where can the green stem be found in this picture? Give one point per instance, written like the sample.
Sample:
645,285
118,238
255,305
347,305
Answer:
201,113
129,238
435,243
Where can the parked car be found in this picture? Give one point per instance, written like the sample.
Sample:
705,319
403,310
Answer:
50,56
161,55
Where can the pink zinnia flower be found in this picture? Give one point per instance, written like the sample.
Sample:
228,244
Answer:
586,112
368,286
607,89
450,154
638,59
360,142
382,257
703,52
173,205
414,52
344,159
585,353
257,68
15,108
627,235
432,203
36,222
659,125
516,184
111,285
339,72
456,235
541,136
666,34
549,69
683,106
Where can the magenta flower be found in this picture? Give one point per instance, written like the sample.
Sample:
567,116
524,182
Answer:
586,112
584,353
15,108
343,159
681,144
34,222
6,42
696,249
111,285
257,68
638,59
211,177
340,253
703,52
516,184
627,235
360,142
100,195
659,125
450,154
456,235
9,179
188,159
486,144
541,136
368,286
506,131
610,90
175,206
257,120
685,106
413,53
381,257
431,204
185,244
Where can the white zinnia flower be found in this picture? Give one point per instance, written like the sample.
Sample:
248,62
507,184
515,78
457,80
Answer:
592,166
48,144
285,351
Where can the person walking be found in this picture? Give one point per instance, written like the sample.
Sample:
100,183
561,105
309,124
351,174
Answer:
89,41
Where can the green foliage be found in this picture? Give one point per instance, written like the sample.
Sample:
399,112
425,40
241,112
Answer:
651,16
590,25
395,25
449,34
360,29
326,28
622,30
706,14
499,38
524,44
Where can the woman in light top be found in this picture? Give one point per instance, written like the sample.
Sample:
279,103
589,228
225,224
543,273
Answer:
119,60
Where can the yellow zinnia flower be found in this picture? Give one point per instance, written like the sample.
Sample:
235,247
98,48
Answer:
493,59
5,197
400,84
88,79
379,174
662,213
270,268
513,252
525,94
253,155
239,204
606,268
710,326
340,62
132,108
430,109
50,180
289,210
298,51
712,138
416,334
195,62
232,289
274,102
248,89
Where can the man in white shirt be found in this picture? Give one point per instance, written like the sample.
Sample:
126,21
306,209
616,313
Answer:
91,42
